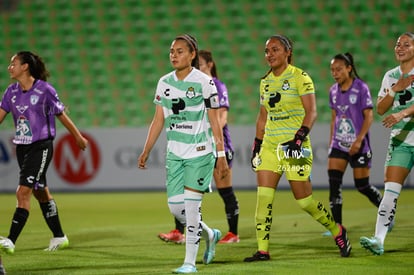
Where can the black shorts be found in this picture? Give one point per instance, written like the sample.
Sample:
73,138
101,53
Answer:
356,161
33,160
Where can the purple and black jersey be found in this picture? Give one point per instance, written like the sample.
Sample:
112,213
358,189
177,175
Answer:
349,107
33,111
224,103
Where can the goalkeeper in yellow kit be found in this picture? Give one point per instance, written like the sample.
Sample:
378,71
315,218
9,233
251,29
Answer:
282,145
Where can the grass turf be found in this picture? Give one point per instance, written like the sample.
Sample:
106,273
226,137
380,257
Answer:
116,233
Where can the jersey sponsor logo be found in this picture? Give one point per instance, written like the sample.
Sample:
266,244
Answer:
274,98
21,109
276,118
200,148
343,108
177,105
74,165
23,131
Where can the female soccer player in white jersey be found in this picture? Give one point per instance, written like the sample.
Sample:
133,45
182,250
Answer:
34,104
186,107
224,185
282,145
396,94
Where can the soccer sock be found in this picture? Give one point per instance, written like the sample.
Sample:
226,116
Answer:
50,213
264,214
179,226
368,190
207,232
192,203
231,207
335,194
176,206
318,211
387,209
19,220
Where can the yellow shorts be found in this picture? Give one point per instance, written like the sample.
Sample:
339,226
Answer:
297,168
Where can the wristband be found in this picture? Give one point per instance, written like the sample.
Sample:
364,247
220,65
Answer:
221,154
391,93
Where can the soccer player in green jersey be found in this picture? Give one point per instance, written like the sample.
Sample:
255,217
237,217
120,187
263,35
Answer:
396,94
282,144
187,108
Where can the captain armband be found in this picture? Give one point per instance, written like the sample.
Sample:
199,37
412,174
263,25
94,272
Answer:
212,102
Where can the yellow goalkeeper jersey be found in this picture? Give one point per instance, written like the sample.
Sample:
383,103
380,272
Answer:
280,95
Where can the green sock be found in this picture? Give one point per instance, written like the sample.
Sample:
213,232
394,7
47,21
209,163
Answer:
264,211
318,211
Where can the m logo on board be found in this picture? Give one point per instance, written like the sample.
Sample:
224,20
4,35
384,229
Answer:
74,165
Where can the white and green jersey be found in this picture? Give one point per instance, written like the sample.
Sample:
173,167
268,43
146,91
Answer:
185,103
402,132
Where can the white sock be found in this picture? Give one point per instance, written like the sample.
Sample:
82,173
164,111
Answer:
387,209
176,205
207,231
192,203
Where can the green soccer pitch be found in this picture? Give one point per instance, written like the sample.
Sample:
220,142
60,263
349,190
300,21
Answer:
116,233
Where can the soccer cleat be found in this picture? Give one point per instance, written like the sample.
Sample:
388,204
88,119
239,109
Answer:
174,236
6,245
210,251
58,243
230,238
342,242
258,256
372,244
185,269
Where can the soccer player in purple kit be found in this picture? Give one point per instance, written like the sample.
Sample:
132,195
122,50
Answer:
34,103
352,116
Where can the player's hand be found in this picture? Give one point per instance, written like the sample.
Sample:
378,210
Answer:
142,160
294,146
393,119
257,144
402,83
82,143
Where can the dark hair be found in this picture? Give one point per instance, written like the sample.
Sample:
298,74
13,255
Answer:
287,43
410,34
192,45
37,67
208,57
349,61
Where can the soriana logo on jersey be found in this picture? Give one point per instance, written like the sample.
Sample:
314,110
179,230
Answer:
73,164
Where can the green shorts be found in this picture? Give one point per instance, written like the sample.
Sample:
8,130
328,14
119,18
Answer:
402,156
195,173
297,169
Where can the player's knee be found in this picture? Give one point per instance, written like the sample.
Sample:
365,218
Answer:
361,183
